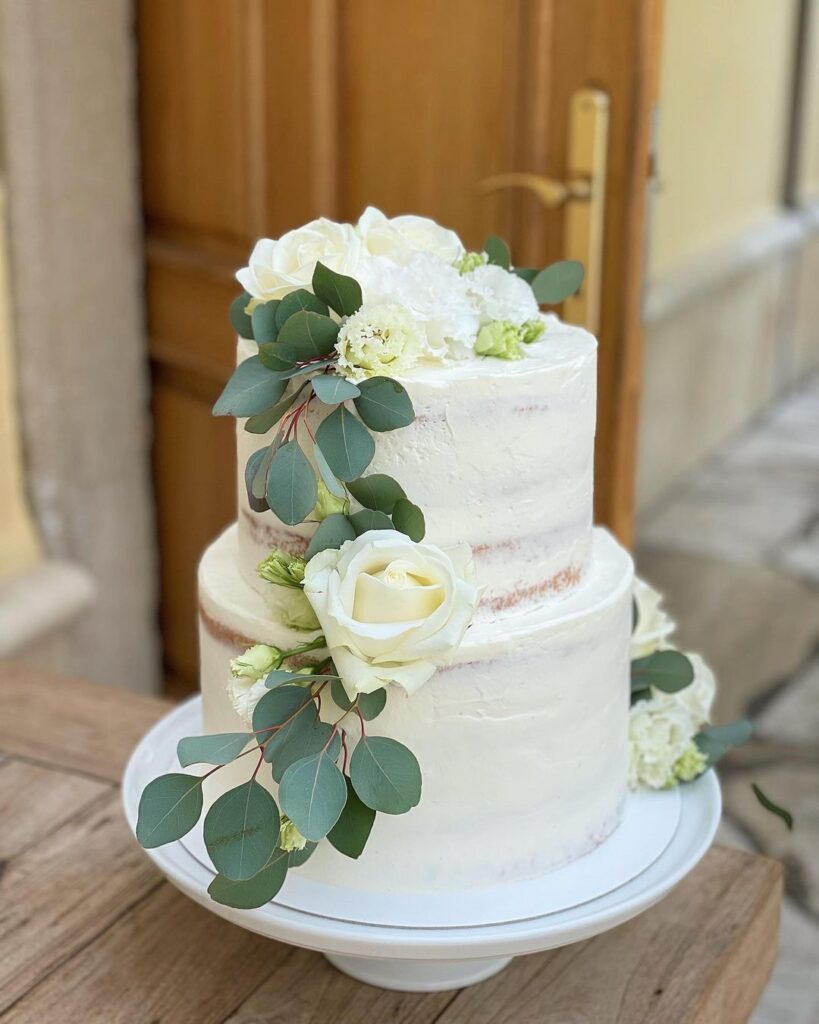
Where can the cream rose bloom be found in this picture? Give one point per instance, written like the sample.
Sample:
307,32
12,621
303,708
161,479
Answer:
398,238
390,609
654,626
277,268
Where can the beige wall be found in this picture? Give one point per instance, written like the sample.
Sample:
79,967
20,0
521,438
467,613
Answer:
724,98
809,163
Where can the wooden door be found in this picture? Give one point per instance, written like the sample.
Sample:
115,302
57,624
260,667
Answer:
258,115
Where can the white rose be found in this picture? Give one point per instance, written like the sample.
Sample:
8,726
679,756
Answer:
654,626
279,267
391,610
398,238
501,295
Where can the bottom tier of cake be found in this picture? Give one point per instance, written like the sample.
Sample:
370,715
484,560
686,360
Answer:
522,742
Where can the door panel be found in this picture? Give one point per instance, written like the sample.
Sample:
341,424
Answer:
257,115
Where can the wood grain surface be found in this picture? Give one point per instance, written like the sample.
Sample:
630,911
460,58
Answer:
89,931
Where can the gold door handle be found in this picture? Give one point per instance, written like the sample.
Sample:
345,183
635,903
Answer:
583,196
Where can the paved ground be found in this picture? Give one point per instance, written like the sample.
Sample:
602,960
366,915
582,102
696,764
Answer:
735,548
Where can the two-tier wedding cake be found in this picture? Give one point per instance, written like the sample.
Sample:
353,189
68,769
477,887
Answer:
418,663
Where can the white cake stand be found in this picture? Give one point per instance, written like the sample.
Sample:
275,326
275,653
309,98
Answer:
417,958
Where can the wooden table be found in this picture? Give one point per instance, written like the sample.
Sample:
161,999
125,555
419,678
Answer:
90,932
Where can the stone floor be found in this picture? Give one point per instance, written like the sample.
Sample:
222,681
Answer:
735,548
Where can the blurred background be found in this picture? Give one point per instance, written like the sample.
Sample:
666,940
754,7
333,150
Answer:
147,143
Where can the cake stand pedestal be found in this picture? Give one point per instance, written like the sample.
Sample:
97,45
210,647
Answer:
419,958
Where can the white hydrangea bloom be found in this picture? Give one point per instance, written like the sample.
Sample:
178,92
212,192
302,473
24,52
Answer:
654,626
501,295
379,339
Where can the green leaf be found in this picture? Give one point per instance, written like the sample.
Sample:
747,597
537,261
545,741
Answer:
350,833
528,274
774,808
304,720
308,367
377,491
251,389
331,482
497,251
264,321
277,706
299,857
385,774
310,335
331,533
368,519
254,892
291,484
716,740
168,809
372,704
558,282
280,676
669,671
313,794
240,321
305,742
409,519
220,748
384,404
341,293
332,389
252,467
276,357
241,831
339,695
295,301
264,421
347,446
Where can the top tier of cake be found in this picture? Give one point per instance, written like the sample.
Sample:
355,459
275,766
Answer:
500,455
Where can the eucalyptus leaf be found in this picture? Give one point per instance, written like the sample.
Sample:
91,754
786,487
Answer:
299,857
372,704
168,809
714,741
291,484
280,705
409,520
528,274
669,671
313,794
368,519
497,251
262,422
377,491
774,808
252,389
341,293
385,775
254,892
263,318
303,721
332,389
350,833
304,743
307,367
241,831
277,357
331,533
240,321
331,481
339,695
295,301
258,484
384,404
347,446
220,748
252,467
310,335
278,677
557,282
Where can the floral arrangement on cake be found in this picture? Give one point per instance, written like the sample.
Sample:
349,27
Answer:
337,311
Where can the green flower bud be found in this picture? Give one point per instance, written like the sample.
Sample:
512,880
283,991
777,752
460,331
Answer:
469,261
531,331
500,338
691,763
256,662
282,569
297,612
328,504
289,836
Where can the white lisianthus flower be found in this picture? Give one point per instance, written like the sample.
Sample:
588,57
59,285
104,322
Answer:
501,295
390,609
398,238
435,296
654,626
244,694
290,838
379,339
279,267
662,730
246,687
